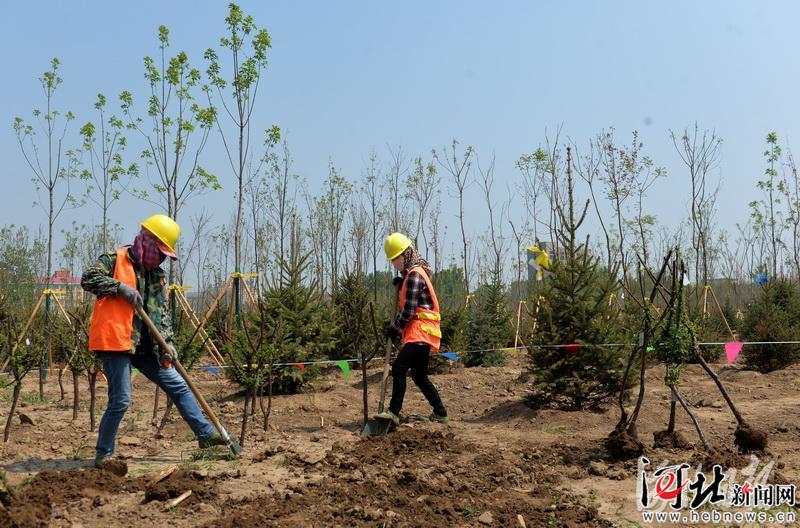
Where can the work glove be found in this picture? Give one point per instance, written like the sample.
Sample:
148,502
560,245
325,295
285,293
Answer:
131,295
168,356
397,282
391,331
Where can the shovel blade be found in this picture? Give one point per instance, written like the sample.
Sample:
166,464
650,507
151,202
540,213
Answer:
377,427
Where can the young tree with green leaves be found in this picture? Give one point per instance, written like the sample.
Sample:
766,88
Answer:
772,185
246,46
104,142
175,130
52,171
52,175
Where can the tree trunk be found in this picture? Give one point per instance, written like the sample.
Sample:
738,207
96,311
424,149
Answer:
61,384
155,406
672,405
245,415
14,400
677,396
720,386
165,418
635,416
75,394
92,398
364,394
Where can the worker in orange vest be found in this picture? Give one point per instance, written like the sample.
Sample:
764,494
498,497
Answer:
418,325
123,279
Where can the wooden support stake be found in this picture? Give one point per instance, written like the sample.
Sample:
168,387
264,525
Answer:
24,331
722,314
177,500
163,474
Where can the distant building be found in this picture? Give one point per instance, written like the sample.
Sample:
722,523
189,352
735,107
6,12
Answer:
62,280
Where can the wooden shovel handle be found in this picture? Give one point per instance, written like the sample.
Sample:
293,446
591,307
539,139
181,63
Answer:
177,364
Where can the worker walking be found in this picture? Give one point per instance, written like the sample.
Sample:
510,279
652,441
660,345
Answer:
128,277
418,325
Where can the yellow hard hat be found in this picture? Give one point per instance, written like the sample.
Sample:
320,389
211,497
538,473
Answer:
395,244
165,229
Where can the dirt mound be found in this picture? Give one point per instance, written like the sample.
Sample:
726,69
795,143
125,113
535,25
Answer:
117,467
32,505
674,440
203,488
414,477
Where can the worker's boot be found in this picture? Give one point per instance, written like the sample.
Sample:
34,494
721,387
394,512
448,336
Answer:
214,440
433,417
388,415
100,460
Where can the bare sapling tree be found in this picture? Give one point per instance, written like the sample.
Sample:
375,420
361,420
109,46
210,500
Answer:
700,152
496,243
791,194
282,207
531,167
334,204
588,168
458,165
372,188
626,174
421,184
358,236
395,176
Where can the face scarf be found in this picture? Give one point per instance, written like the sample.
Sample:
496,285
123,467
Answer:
412,258
146,250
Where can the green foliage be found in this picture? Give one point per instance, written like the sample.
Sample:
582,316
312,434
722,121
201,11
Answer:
773,316
176,129
454,328
20,258
676,341
301,324
355,335
449,285
574,308
489,326
28,354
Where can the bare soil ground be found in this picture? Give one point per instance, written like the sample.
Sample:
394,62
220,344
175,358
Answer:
497,461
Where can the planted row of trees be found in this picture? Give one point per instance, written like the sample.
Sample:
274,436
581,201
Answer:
318,252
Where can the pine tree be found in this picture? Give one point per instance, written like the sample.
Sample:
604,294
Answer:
355,335
773,316
308,325
574,310
489,326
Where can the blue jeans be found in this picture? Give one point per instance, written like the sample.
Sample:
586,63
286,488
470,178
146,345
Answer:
117,370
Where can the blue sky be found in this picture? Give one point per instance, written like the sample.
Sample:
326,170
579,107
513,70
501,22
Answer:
349,77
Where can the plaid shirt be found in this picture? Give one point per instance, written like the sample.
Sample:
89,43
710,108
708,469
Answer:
417,294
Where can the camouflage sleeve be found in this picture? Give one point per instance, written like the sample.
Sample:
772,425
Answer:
99,279
166,319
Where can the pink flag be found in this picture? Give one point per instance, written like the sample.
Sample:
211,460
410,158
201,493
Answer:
732,349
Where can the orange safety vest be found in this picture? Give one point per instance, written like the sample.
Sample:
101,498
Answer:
425,327
112,320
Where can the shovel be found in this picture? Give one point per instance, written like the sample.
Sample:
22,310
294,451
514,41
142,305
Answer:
378,426
232,445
